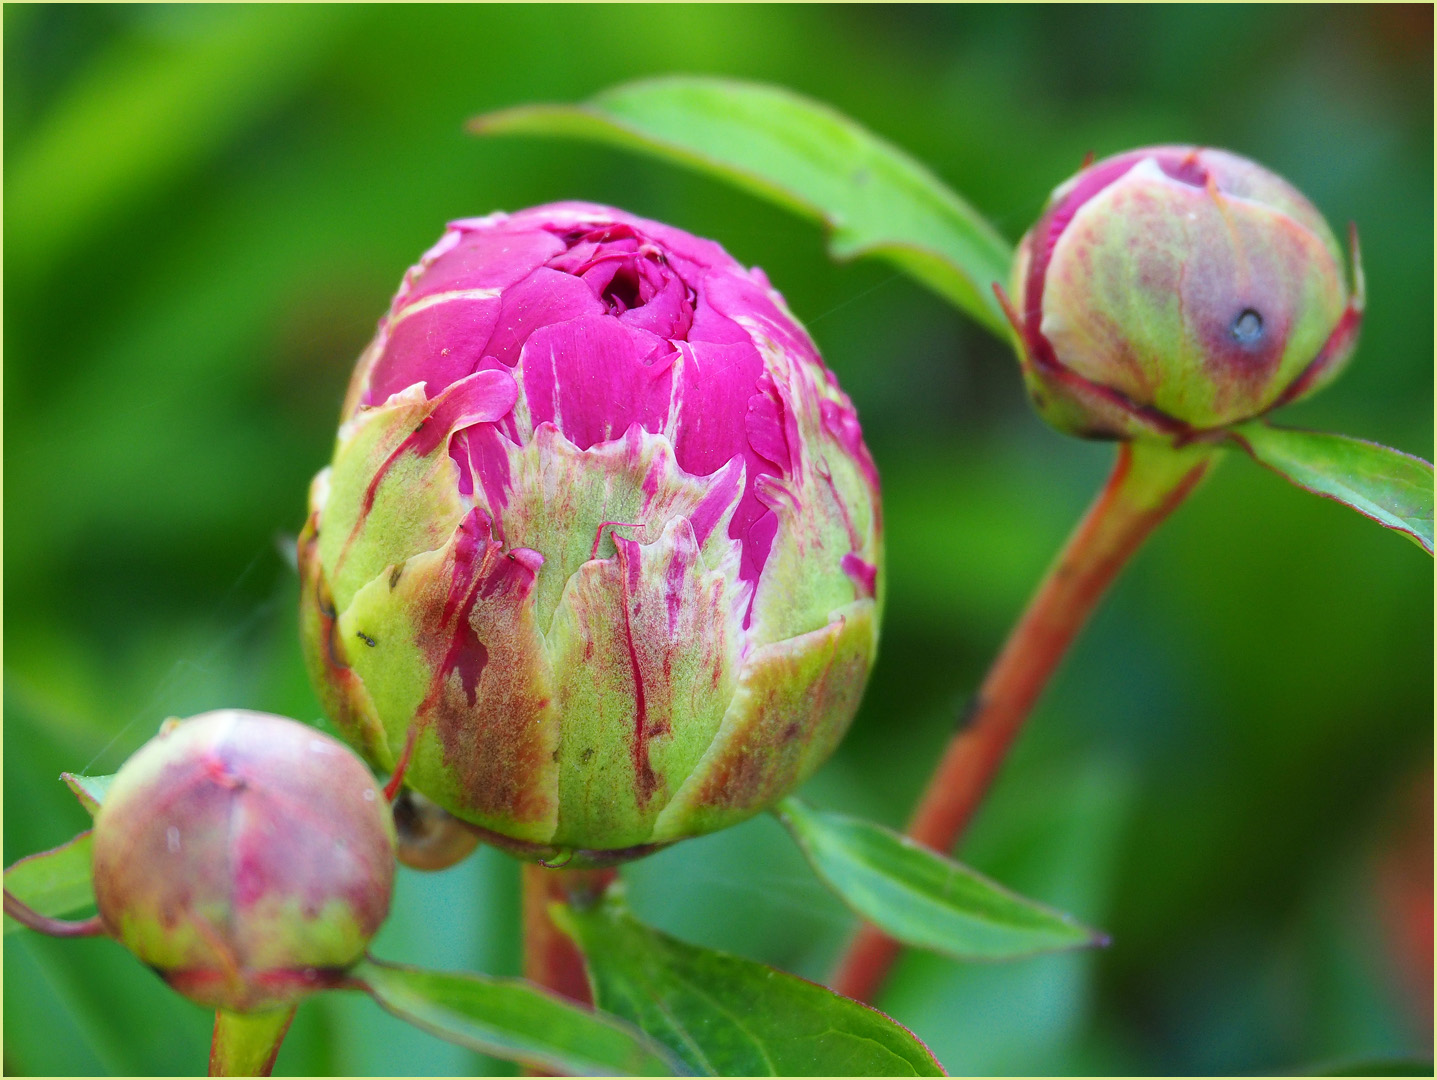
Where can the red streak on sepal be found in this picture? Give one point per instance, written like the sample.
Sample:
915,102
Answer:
599,533
391,789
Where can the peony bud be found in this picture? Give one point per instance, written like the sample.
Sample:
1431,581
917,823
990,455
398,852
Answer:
247,858
596,566
1171,290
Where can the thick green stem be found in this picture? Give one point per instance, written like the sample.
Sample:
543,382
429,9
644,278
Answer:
246,1044
1148,482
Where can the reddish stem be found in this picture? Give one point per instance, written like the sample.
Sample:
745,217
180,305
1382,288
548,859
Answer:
28,916
551,959
1147,483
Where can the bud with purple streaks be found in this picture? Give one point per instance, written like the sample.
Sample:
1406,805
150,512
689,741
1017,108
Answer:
1173,290
597,560
246,857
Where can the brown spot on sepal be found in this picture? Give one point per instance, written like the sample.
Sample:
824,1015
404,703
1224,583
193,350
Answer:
490,701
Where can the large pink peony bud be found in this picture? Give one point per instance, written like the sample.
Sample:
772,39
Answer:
1171,290
599,550
246,857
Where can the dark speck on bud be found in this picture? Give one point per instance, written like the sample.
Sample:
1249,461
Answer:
1247,327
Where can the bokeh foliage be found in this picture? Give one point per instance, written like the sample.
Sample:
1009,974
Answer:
206,210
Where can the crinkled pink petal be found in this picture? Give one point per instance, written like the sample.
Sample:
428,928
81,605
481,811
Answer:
863,574
666,309
593,308
712,379
490,258
481,452
483,397
767,427
733,295
438,345
564,215
546,296
593,377
720,496
711,326
759,525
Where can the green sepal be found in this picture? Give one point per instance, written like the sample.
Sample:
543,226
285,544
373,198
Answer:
90,790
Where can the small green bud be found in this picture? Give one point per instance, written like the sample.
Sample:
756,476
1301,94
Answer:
1173,290
245,857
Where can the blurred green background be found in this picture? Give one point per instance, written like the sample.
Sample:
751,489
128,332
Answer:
206,211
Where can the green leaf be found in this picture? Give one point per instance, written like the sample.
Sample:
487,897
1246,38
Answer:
246,1044
1392,488
726,1016
90,790
924,899
54,882
804,156
514,1020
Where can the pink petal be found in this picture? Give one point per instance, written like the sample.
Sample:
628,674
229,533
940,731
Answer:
494,257
545,296
437,345
592,377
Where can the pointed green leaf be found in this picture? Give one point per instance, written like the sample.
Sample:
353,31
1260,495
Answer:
726,1016
805,156
54,882
1392,488
90,790
924,899
246,1044
514,1020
